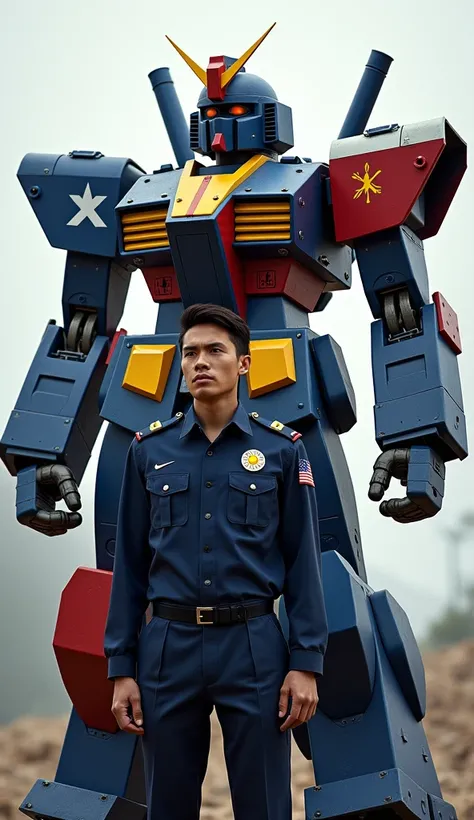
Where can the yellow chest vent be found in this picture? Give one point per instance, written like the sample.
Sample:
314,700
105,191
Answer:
258,220
145,230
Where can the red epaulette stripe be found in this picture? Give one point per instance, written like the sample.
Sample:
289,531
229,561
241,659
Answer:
295,436
138,436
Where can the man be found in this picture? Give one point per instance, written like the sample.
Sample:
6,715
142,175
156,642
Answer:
217,518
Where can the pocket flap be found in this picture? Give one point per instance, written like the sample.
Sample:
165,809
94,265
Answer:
167,484
251,483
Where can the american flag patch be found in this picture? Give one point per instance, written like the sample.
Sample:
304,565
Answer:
305,472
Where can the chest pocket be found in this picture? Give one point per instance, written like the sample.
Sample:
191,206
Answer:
252,499
169,499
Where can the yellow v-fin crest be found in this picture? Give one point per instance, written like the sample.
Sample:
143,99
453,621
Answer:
199,72
230,72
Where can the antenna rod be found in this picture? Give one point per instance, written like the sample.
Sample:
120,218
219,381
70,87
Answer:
366,94
172,113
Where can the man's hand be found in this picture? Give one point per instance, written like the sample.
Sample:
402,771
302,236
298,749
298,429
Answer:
301,688
126,706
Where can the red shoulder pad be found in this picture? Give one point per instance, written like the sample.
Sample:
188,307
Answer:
376,180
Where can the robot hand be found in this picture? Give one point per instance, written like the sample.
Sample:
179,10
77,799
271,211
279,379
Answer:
54,482
421,471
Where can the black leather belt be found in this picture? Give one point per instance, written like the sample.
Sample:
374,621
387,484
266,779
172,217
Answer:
221,615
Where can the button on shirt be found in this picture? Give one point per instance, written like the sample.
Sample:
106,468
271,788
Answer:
196,528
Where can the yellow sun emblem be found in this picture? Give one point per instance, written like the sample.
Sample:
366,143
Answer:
253,460
367,186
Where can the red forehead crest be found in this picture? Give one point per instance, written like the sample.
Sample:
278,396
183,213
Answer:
215,70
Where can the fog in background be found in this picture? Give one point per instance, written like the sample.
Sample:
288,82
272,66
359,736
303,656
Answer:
74,76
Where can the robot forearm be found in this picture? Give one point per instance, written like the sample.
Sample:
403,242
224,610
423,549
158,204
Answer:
418,398
419,417
56,417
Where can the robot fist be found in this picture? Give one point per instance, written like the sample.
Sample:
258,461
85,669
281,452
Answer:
421,471
54,482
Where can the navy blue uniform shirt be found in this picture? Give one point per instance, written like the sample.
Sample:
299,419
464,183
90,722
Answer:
195,527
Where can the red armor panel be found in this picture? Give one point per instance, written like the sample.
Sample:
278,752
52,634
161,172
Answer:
79,646
377,190
447,322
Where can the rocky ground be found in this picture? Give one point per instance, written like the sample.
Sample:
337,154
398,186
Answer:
29,747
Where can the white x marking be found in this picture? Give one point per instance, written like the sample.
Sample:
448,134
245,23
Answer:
87,205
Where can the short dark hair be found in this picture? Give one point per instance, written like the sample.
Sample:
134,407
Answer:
238,330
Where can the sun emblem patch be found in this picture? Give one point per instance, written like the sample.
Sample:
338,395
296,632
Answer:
368,186
253,460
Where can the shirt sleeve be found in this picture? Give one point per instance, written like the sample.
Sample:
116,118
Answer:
303,589
128,600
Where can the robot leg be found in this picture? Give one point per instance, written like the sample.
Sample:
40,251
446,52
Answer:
366,741
100,771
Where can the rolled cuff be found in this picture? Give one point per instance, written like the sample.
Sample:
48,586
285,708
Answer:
122,666
307,660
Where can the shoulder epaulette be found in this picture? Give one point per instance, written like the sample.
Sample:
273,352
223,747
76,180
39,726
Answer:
157,426
277,426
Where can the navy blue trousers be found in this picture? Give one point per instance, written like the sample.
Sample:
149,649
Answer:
184,671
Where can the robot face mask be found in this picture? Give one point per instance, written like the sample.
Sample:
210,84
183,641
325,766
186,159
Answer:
238,112
228,128
249,119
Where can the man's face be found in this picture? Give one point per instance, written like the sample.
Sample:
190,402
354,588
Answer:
210,363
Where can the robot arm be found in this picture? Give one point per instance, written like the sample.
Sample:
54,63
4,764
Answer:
419,418
55,422
391,188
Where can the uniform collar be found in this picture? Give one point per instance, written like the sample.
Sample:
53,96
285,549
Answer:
240,419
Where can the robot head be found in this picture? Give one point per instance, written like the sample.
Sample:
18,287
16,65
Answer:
239,113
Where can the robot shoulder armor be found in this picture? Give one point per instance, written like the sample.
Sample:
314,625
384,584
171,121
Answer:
74,197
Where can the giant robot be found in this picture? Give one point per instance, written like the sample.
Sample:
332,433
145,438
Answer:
272,237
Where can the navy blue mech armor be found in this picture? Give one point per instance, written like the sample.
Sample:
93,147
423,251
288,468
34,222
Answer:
270,236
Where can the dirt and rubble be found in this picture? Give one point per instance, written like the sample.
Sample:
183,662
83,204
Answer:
29,747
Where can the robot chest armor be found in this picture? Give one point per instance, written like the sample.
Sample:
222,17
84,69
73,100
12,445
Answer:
263,228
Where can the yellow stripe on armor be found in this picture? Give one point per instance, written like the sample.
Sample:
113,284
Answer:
261,237
217,191
141,246
144,216
144,226
262,206
258,219
148,235
262,220
143,230
272,228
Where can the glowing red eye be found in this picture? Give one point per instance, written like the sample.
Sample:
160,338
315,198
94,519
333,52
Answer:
211,112
237,110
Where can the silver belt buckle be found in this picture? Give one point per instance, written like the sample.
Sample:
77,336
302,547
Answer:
199,610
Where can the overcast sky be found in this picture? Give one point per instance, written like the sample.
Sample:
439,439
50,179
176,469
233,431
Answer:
74,75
